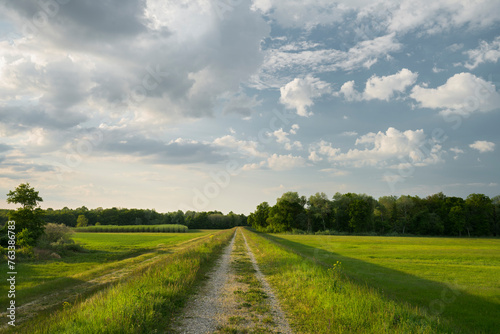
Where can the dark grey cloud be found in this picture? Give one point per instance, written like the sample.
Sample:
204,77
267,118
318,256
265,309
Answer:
242,105
65,81
16,119
85,19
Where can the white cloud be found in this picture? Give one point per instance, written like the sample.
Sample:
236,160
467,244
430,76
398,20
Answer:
398,16
296,144
380,88
440,15
483,146
314,157
390,149
253,166
383,88
298,94
487,52
463,93
322,148
281,62
294,129
282,137
243,146
457,152
350,93
285,162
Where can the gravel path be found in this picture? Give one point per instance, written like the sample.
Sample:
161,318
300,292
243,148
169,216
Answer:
202,312
214,305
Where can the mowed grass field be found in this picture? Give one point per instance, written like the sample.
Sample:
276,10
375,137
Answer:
453,281
147,300
105,253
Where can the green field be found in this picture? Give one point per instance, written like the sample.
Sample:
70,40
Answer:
143,303
106,254
326,284
454,280
170,228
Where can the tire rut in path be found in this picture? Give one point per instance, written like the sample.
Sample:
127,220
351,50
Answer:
219,305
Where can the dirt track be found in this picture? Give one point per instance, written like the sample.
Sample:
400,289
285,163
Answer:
235,298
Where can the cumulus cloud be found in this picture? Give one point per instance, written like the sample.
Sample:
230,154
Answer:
463,93
390,149
350,93
486,52
282,137
383,88
322,149
285,162
299,93
380,88
247,147
483,146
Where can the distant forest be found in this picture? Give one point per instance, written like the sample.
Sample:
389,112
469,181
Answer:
438,215
120,216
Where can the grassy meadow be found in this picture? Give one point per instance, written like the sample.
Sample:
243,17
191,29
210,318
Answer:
104,254
384,284
165,228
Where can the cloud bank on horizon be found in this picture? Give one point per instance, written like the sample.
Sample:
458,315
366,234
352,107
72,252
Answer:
223,104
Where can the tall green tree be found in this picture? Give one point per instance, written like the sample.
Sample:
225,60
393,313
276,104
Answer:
479,210
82,221
258,219
288,213
28,218
319,211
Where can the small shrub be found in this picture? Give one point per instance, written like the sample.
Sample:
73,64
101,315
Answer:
297,231
54,233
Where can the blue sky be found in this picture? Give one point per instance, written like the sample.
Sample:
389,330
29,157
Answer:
221,105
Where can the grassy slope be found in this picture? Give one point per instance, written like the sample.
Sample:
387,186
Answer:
107,252
456,279
146,302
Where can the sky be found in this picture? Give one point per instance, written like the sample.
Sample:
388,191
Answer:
223,104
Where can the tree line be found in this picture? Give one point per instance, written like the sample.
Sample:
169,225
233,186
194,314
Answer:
438,214
83,216
31,220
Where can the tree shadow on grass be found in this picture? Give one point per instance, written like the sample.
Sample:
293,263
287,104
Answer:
464,311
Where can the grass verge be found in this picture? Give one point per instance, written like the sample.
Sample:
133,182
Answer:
322,299
145,303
